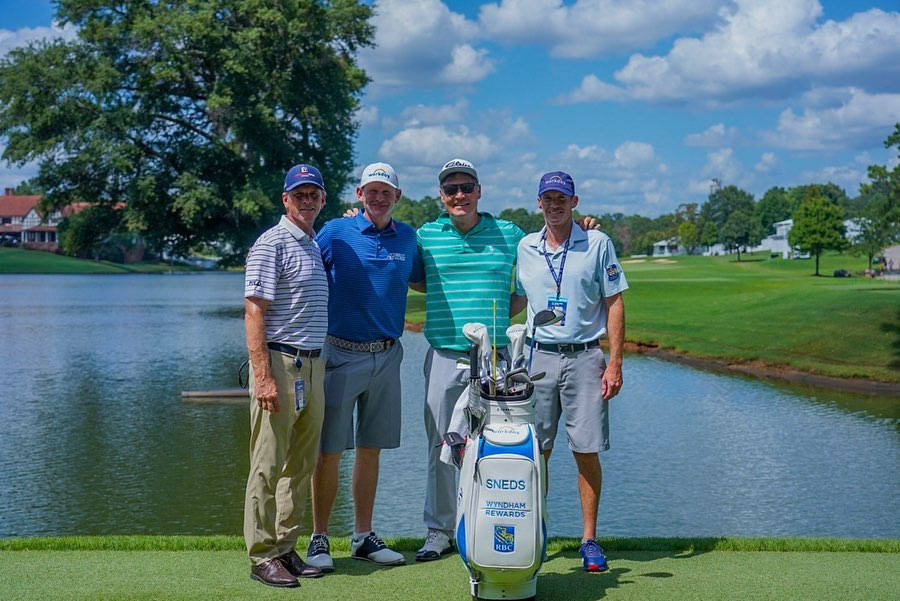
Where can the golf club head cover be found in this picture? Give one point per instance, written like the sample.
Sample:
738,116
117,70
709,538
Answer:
457,446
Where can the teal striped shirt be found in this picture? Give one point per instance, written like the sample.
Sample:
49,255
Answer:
464,274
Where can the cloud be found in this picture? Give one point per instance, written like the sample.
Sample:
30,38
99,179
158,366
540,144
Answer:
425,114
434,144
715,135
20,37
836,118
588,28
367,116
764,49
767,163
422,42
723,165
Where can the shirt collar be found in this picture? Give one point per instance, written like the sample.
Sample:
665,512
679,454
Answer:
575,236
444,220
291,227
364,223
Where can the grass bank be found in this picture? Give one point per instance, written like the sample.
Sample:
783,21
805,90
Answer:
770,312
194,568
17,260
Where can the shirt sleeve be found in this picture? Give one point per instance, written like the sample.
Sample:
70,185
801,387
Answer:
262,271
323,239
518,235
418,269
609,271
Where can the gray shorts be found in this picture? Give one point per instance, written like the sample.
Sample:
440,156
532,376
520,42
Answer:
370,382
572,388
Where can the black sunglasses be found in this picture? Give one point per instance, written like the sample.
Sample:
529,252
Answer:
452,189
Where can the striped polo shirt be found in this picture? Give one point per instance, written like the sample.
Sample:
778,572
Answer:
464,274
285,268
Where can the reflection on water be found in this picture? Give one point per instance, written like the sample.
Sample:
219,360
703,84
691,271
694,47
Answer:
95,439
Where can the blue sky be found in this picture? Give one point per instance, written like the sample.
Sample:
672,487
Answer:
643,102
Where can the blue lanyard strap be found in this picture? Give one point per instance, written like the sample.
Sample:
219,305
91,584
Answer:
562,263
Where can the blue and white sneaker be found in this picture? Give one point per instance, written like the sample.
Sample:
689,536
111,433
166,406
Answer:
593,557
371,548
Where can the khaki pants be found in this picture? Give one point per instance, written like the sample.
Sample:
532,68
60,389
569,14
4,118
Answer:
284,447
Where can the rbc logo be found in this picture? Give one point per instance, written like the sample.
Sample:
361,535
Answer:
504,539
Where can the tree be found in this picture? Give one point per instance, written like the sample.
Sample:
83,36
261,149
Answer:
709,235
688,235
529,222
774,206
740,230
417,212
188,111
818,225
723,202
86,233
880,215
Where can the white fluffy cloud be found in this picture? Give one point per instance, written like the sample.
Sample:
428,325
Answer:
767,163
764,48
423,42
715,135
432,145
425,114
587,28
21,37
835,119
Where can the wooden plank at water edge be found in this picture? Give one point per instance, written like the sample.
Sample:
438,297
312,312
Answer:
216,395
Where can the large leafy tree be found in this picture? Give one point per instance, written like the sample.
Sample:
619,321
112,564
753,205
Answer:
417,212
774,206
818,224
188,111
721,204
740,230
880,218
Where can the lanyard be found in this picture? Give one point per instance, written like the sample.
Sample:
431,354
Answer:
562,263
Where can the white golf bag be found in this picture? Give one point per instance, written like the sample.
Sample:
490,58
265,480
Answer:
500,515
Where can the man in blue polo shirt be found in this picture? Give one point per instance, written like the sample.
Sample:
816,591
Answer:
369,261
563,267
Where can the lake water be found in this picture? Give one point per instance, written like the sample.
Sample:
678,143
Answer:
94,438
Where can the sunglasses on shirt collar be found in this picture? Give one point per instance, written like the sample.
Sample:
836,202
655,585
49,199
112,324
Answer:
452,189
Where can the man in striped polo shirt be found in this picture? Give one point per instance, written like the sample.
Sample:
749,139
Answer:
369,260
286,306
468,260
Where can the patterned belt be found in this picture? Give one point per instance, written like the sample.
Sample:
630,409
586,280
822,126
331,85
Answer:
361,347
563,348
293,351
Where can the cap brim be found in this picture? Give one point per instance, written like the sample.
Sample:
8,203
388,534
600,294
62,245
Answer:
448,172
558,188
298,184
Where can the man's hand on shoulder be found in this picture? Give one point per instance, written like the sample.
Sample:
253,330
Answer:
588,223
351,212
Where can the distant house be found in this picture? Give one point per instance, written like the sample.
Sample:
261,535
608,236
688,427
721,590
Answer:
778,242
668,248
21,224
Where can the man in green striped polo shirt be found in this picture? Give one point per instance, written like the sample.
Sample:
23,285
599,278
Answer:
468,259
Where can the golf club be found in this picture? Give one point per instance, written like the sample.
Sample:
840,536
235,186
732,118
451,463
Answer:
516,335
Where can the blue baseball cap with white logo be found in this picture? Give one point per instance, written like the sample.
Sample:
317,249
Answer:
557,180
302,174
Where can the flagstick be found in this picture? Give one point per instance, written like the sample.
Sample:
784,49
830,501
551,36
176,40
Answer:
494,378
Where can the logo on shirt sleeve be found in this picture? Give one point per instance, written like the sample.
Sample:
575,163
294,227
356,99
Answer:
612,272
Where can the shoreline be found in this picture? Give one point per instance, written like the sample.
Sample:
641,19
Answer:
756,369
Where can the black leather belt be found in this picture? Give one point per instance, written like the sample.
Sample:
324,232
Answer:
293,351
563,348
362,347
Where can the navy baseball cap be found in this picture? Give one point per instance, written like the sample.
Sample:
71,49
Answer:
302,174
557,180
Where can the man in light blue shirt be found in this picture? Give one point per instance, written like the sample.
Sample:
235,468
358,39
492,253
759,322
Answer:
563,267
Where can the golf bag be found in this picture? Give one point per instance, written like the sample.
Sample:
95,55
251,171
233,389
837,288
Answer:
500,515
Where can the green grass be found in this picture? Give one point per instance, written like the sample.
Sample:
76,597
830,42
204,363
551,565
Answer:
772,311
17,260
144,568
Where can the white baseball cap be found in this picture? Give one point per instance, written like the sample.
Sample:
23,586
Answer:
379,172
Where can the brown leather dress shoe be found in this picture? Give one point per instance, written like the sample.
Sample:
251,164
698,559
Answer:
273,573
298,567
